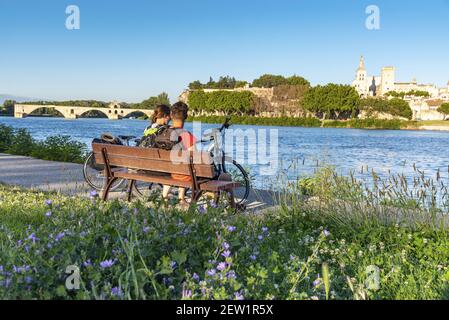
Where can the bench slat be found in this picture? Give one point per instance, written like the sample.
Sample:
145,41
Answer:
199,157
154,160
211,185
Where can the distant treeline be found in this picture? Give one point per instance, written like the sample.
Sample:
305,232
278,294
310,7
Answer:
265,81
292,95
311,122
150,103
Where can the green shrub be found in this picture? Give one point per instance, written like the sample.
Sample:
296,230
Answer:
22,143
6,137
262,121
54,148
60,148
369,123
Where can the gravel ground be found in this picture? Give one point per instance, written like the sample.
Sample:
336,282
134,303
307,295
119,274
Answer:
68,178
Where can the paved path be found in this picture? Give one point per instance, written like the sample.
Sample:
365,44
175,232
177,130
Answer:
68,178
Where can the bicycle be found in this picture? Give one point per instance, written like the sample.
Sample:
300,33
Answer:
225,164
94,174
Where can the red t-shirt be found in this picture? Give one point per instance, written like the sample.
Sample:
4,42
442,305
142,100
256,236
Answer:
188,140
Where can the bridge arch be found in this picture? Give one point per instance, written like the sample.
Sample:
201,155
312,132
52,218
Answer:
57,113
98,111
136,113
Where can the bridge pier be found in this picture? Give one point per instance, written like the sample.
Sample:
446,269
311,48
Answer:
114,117
20,115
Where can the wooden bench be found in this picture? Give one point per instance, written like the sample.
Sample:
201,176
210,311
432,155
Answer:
149,165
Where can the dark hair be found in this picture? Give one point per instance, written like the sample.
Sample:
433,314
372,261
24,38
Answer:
161,111
179,111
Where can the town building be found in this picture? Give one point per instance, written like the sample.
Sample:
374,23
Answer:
368,86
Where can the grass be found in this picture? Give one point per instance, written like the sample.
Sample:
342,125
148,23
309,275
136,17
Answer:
333,237
433,123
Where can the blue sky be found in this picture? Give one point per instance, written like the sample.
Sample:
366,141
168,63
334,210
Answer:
130,50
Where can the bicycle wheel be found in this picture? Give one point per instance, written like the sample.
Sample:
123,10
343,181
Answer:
238,174
93,174
145,189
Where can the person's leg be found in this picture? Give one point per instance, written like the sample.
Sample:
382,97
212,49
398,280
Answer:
165,191
182,194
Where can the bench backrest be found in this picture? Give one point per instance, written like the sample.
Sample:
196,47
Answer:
155,159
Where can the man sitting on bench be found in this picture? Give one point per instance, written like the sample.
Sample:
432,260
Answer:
179,114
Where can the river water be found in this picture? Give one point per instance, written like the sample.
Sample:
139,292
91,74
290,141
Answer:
300,150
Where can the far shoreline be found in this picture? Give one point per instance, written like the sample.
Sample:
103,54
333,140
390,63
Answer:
404,125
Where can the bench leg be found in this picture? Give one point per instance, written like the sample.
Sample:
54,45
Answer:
195,197
107,188
131,184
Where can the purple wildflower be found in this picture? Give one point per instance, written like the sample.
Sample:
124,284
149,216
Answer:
211,272
33,237
60,236
93,194
317,282
146,229
326,233
221,266
195,276
107,264
186,294
226,253
116,291
231,228
213,204
253,257
87,263
260,237
238,296
48,214
201,209
48,202
225,245
173,264
231,275
264,229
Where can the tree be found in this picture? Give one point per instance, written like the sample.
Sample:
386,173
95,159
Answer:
332,101
298,81
8,105
195,85
163,98
444,109
269,81
399,107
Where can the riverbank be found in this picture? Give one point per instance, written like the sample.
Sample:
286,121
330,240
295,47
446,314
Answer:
316,123
311,122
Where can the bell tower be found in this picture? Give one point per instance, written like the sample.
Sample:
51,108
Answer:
361,82
361,70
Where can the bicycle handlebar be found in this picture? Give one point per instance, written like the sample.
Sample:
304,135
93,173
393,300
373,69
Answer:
226,124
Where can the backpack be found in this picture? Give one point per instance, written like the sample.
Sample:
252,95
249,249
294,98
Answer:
150,135
167,138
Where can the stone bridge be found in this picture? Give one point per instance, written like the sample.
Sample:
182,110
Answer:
114,112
